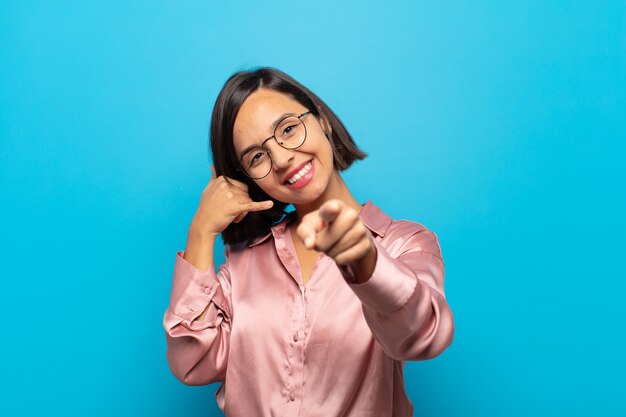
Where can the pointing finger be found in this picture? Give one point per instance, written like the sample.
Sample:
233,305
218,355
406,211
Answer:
318,220
308,228
330,210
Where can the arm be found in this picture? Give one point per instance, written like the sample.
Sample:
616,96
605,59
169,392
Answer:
403,301
198,319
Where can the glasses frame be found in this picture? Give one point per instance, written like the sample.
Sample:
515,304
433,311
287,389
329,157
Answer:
269,153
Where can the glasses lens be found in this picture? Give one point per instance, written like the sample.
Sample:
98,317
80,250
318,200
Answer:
290,133
257,163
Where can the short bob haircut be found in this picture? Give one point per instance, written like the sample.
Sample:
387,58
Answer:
235,91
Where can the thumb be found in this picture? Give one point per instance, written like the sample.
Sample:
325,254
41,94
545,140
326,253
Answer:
330,210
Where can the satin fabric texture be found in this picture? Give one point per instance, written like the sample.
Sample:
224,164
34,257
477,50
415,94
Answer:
330,348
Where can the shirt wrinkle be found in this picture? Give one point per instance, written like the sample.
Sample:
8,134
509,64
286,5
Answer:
328,348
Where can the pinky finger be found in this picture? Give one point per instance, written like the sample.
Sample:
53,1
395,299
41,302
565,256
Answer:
259,205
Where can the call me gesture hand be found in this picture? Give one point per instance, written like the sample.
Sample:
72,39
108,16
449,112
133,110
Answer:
224,201
336,229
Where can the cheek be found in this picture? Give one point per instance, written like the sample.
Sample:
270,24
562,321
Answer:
327,154
321,146
272,188
266,186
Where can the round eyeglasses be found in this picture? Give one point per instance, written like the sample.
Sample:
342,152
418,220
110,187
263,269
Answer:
290,133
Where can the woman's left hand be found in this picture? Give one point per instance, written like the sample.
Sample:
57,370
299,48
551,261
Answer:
336,229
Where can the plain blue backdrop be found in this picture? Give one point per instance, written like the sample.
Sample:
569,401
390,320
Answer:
498,125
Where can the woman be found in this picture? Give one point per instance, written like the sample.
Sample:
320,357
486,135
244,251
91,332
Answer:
313,312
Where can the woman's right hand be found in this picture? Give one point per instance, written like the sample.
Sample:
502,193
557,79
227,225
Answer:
223,201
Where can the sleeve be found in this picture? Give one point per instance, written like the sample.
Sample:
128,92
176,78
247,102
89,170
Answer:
197,351
404,302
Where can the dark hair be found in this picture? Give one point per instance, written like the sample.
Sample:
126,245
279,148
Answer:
235,91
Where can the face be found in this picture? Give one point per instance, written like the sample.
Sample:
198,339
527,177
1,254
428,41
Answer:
254,124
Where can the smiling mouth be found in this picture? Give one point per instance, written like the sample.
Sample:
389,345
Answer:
300,173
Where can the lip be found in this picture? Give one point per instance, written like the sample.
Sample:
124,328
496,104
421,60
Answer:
294,171
304,181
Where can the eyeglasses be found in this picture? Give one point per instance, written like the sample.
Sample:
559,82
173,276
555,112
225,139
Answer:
290,133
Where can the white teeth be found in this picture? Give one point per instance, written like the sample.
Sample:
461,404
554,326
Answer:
300,173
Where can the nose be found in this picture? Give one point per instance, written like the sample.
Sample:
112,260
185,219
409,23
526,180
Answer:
282,158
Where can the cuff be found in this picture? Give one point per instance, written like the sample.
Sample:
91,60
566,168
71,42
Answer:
389,288
193,290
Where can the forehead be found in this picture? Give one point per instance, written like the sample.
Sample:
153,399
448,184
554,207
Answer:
257,113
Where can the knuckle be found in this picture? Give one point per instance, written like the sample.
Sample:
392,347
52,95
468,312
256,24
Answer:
341,259
331,244
366,249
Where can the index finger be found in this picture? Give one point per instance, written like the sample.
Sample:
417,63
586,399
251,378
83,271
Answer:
308,228
330,210
312,225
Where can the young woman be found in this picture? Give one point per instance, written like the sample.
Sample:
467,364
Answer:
313,312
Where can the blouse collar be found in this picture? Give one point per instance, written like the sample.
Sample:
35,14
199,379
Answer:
372,217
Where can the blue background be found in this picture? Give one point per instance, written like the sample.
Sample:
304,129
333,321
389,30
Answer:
498,125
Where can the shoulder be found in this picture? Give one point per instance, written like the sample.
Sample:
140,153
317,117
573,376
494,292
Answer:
410,236
383,225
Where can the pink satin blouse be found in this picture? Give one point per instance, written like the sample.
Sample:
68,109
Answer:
330,348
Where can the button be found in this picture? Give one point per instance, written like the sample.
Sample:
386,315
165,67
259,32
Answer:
292,396
295,337
207,290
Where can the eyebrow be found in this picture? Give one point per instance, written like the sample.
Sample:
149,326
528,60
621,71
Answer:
278,120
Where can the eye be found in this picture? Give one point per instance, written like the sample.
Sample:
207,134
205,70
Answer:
288,129
256,158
